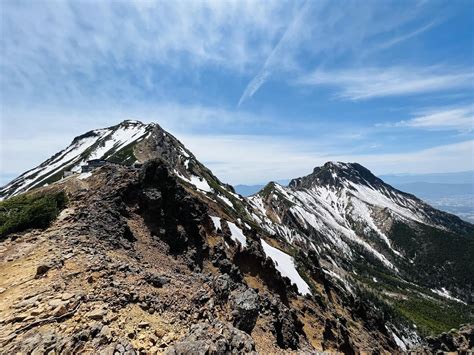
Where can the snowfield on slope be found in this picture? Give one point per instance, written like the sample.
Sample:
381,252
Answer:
286,266
235,232
118,139
237,235
72,157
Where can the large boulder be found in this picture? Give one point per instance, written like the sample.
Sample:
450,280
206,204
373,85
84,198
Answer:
245,309
219,338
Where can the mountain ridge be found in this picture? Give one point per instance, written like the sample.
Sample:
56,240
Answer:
338,238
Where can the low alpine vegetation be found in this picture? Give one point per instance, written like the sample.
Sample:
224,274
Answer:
30,211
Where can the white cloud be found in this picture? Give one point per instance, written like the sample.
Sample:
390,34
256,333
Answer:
320,33
113,49
367,83
256,159
234,158
444,158
440,119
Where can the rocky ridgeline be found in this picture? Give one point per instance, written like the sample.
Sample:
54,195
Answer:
106,277
135,264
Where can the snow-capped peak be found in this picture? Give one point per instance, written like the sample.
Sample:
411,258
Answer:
112,144
342,207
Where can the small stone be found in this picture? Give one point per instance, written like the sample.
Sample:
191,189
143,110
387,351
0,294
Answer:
83,335
143,325
2,290
37,311
106,332
97,314
160,333
56,302
42,270
156,280
18,318
67,296
120,348
59,311
95,329
169,337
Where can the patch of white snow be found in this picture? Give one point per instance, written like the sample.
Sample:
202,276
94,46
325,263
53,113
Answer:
286,265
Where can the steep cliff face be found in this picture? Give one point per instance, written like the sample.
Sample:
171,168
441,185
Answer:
166,257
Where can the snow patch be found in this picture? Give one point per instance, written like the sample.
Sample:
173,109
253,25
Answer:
217,222
445,293
237,235
286,266
399,341
226,200
198,182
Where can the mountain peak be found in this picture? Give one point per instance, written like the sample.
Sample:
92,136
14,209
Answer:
335,174
131,122
124,143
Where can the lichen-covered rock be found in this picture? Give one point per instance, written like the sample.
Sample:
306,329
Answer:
453,341
220,338
245,309
223,285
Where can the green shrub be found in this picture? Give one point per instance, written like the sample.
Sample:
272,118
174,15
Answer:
434,316
19,213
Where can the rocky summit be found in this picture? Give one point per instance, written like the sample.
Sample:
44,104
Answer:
125,243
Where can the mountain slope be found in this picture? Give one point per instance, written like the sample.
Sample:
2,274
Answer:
332,262
365,230
109,143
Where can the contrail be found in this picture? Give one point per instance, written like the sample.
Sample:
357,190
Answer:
265,71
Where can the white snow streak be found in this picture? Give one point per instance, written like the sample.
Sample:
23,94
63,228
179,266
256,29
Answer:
237,235
286,265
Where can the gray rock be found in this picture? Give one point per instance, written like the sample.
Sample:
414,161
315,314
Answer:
218,338
156,280
42,270
97,314
245,309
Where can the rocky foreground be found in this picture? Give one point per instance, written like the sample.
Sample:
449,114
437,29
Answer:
135,265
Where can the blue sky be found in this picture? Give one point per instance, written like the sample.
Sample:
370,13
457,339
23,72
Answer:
258,90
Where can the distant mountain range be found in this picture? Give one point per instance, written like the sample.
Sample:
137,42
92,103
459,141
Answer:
462,177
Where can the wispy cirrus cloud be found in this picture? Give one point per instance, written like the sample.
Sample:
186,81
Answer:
439,119
287,39
406,36
320,33
81,50
369,83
